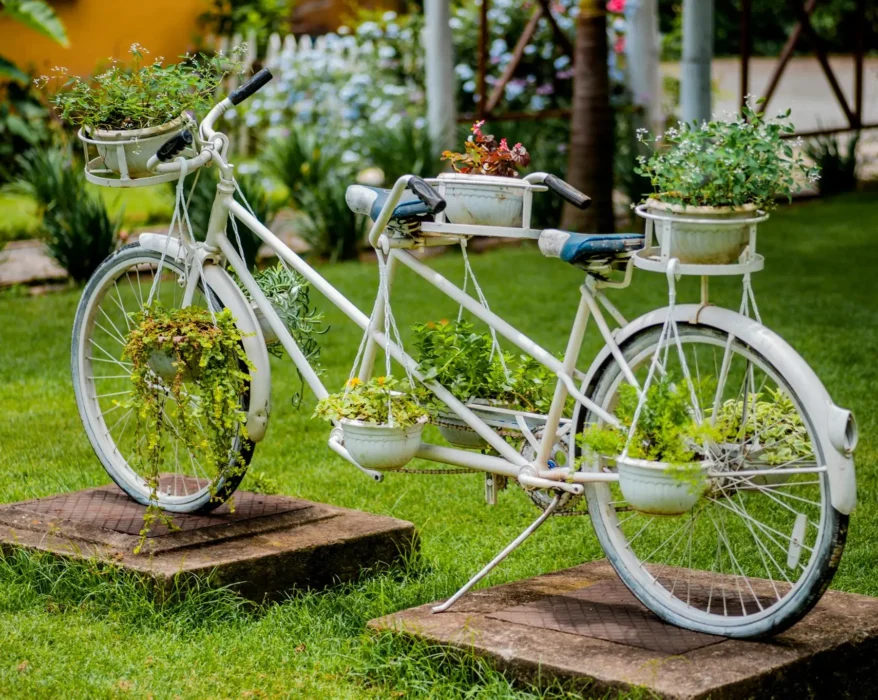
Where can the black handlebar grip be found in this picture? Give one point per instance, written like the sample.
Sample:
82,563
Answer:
567,192
174,145
255,83
427,194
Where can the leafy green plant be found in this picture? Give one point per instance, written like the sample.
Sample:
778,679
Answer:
369,401
148,93
782,436
37,16
666,431
78,230
459,358
726,163
838,166
24,124
484,155
210,375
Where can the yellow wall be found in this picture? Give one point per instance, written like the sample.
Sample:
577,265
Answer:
99,29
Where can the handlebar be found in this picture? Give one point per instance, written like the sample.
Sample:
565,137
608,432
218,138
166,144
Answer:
255,83
563,189
430,197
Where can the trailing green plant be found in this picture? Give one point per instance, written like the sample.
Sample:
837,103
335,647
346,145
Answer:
484,155
773,429
838,165
369,402
210,373
745,160
466,363
78,230
666,430
149,93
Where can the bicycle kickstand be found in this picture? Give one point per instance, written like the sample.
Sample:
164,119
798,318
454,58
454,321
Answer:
500,557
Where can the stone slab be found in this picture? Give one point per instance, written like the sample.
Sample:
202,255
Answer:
582,626
268,545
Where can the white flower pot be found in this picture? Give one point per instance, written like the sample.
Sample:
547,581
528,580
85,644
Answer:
459,434
139,144
483,200
652,487
716,242
382,447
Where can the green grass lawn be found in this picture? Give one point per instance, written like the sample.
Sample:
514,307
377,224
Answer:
72,631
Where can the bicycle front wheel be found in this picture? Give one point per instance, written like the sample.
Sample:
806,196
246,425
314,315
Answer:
762,544
102,383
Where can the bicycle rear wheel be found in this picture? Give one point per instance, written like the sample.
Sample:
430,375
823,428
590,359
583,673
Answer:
761,546
102,383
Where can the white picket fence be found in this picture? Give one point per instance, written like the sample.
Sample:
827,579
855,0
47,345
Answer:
279,48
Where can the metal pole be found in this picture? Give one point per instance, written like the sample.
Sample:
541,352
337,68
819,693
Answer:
441,107
697,54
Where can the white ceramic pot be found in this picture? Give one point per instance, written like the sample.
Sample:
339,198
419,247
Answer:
483,200
652,487
140,145
715,242
165,366
382,447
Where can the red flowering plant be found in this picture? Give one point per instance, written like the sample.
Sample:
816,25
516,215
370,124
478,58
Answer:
484,155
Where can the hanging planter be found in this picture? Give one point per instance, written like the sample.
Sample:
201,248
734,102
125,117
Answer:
381,427
382,447
126,152
660,488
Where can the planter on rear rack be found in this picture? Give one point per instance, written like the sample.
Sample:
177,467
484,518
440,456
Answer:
483,200
710,239
381,447
657,488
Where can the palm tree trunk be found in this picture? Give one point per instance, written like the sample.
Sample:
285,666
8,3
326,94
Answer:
590,168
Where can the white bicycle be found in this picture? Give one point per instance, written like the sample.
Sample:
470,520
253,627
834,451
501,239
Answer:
753,555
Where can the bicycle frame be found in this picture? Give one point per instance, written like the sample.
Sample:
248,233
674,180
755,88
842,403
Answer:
509,463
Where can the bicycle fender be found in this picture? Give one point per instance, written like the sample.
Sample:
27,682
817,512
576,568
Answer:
233,299
835,426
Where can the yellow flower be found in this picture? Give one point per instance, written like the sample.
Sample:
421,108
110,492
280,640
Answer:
381,381
354,381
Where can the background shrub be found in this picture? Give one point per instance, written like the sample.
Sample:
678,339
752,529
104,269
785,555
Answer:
838,164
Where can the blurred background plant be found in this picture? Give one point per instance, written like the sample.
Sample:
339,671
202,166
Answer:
76,226
837,160
260,17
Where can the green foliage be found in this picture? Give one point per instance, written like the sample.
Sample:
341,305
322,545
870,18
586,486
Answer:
777,421
260,482
460,359
484,155
24,124
666,431
79,231
726,163
838,167
38,16
147,94
210,376
316,178
290,295
402,150
369,401
227,17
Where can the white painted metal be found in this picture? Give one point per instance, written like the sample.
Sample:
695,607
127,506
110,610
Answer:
695,85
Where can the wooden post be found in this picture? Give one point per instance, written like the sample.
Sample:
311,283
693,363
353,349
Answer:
695,85
746,12
441,106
